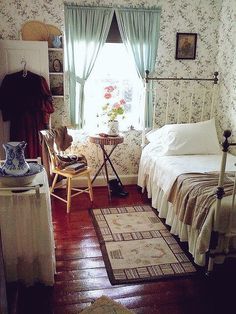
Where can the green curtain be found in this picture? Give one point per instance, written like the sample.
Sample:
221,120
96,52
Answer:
140,29
86,30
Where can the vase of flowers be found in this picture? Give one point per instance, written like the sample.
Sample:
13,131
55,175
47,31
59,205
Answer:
113,108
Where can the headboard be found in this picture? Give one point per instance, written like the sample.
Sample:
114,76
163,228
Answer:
182,100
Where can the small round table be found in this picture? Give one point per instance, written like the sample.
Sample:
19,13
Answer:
102,141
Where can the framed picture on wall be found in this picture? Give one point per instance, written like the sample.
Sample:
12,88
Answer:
57,66
186,44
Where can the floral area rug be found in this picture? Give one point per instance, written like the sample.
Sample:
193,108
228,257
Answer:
105,305
136,245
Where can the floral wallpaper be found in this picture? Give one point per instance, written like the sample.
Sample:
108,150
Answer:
213,24
226,112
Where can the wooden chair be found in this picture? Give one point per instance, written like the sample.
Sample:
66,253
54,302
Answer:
68,176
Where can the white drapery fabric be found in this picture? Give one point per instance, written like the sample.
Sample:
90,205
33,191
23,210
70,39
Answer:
27,234
86,30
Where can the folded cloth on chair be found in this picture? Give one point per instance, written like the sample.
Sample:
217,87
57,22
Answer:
77,167
63,162
62,139
56,141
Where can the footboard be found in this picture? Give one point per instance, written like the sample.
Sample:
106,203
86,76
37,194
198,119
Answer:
214,244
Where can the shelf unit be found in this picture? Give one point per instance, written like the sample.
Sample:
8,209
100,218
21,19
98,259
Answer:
58,96
56,73
56,78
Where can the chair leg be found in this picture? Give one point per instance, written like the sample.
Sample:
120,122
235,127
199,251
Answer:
68,195
54,182
90,188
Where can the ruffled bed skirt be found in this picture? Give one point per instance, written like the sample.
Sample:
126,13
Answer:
198,240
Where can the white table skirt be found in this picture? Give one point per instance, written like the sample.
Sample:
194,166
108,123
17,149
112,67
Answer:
27,234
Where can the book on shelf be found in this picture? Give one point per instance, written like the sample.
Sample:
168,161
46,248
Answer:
76,167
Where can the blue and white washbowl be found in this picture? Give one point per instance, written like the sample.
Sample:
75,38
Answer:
20,180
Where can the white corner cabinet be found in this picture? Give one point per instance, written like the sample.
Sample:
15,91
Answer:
56,72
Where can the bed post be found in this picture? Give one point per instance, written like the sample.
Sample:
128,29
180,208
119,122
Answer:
219,196
216,77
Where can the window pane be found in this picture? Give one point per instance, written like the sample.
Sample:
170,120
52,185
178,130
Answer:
113,67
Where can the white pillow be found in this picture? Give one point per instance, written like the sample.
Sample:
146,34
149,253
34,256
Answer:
187,139
154,135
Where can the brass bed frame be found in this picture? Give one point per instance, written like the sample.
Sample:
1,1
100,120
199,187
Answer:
213,252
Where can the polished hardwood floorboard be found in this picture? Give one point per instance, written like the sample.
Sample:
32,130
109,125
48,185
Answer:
81,275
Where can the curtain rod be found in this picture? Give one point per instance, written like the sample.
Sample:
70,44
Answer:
114,7
147,78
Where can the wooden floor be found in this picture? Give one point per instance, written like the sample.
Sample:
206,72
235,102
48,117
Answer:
81,275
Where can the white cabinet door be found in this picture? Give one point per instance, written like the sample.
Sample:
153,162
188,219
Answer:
12,53
35,53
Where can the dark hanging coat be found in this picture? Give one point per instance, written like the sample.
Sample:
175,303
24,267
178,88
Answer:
27,103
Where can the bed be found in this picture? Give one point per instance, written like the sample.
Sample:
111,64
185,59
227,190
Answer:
193,149
188,150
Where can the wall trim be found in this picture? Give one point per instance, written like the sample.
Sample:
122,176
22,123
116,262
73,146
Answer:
100,180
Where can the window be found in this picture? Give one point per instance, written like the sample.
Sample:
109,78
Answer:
140,30
113,67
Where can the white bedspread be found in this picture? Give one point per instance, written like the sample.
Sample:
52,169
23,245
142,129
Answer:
163,170
158,173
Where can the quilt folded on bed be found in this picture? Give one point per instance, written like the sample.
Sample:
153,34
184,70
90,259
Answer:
192,195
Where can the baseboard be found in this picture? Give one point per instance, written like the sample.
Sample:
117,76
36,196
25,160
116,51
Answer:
100,180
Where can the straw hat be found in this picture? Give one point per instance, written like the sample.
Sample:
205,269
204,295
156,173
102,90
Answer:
34,30
52,31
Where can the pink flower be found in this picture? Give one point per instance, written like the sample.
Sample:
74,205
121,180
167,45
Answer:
108,95
110,88
113,107
116,105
